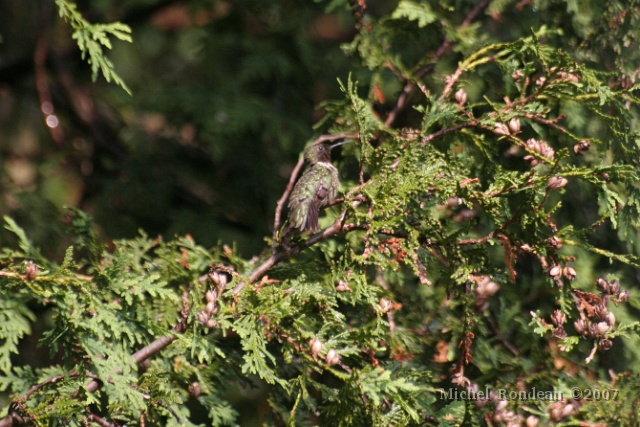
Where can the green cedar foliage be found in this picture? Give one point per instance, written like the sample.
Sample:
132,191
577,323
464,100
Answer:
486,240
91,39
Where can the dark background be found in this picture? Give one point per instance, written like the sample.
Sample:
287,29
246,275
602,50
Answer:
225,97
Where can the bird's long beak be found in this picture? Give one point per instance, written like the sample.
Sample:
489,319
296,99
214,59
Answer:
337,144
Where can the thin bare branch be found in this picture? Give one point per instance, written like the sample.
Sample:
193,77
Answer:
157,345
99,420
285,252
446,131
42,81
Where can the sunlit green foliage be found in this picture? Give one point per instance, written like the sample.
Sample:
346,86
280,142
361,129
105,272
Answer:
91,38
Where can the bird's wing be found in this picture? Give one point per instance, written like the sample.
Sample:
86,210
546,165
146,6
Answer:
297,210
315,204
300,202
305,202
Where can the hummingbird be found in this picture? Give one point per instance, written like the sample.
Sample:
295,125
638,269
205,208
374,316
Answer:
316,188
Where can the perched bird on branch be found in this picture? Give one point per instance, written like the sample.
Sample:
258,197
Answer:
316,188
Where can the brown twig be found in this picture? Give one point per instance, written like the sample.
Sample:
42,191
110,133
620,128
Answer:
512,348
14,419
285,196
286,252
14,274
446,131
42,81
99,420
450,82
479,240
157,345
52,380
552,123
